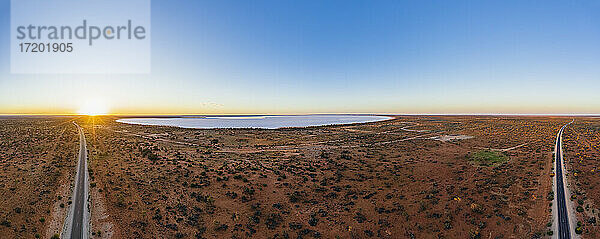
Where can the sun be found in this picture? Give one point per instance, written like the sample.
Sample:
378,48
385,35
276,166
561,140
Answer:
93,108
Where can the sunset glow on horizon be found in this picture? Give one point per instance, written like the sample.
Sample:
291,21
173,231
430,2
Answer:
94,108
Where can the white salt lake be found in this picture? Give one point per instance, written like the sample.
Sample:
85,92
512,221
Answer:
261,122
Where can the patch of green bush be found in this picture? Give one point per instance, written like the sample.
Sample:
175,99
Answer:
488,157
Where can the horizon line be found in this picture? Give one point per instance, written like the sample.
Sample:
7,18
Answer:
297,114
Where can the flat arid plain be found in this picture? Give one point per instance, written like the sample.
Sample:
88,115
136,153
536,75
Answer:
408,177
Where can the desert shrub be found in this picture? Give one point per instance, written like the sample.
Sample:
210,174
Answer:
550,196
487,157
120,200
249,191
346,155
5,223
313,220
360,218
273,221
221,227
296,196
447,225
172,226
295,226
474,234
147,153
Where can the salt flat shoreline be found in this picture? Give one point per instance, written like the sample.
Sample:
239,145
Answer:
259,122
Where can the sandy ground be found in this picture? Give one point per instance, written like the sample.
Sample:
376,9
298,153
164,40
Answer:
59,213
37,155
101,221
366,180
581,146
410,177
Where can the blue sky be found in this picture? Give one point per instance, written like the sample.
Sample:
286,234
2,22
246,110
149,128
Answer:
342,57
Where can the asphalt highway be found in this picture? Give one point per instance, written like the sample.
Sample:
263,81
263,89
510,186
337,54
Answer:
563,214
79,222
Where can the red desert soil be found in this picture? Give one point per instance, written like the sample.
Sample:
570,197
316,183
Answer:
410,177
37,161
386,179
582,154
